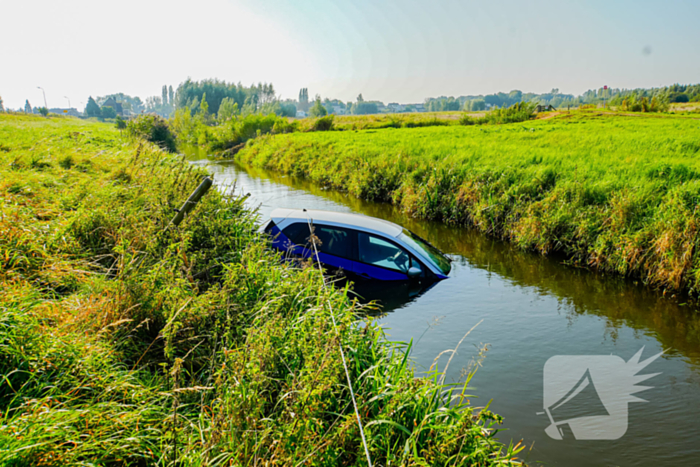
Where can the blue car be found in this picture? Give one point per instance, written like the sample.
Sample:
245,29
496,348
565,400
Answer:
360,246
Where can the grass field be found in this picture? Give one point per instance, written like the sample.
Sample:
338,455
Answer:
124,341
614,192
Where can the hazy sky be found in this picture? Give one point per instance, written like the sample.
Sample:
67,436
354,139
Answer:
387,50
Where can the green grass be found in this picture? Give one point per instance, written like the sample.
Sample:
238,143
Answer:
406,120
614,192
126,342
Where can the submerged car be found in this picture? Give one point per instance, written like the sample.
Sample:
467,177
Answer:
361,246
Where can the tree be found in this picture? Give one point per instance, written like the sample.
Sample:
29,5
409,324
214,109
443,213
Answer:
216,91
2,108
164,94
517,96
318,110
108,112
193,105
227,110
154,104
360,98
475,105
27,107
92,109
203,113
43,111
365,108
288,109
304,99
171,96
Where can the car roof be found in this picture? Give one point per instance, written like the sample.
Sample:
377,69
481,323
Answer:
351,220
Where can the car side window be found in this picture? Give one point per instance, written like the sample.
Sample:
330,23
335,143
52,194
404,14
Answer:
330,240
334,241
379,252
298,233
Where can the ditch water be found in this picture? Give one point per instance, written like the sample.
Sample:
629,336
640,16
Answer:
534,308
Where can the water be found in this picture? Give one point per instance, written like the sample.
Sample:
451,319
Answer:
532,308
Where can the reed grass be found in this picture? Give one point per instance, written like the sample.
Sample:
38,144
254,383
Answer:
609,191
124,341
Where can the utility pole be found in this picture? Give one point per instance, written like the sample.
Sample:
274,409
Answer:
44,93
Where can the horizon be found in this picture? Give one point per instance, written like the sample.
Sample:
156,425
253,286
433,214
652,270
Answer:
385,52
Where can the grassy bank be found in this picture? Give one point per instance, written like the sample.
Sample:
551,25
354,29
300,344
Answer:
127,342
614,192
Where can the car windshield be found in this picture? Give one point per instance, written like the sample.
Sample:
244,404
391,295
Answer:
427,250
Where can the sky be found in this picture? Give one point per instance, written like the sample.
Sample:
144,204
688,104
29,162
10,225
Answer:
392,51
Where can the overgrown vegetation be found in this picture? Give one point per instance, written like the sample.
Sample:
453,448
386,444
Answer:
612,192
154,129
643,104
519,112
124,341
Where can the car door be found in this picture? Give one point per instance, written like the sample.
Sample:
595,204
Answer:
335,245
381,259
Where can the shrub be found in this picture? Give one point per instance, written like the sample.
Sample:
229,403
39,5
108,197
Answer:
423,123
518,112
43,111
318,110
284,126
153,128
120,123
108,112
634,104
323,124
467,120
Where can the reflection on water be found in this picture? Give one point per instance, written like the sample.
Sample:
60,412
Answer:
533,309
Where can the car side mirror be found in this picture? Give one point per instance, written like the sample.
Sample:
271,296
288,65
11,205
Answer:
414,272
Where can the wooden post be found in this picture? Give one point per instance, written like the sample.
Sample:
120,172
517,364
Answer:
192,201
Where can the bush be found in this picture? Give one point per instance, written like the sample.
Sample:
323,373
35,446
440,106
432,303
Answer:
120,123
153,128
323,124
680,98
634,104
424,123
318,110
518,112
467,120
43,111
284,126
108,112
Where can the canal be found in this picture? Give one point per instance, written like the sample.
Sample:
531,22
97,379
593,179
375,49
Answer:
534,309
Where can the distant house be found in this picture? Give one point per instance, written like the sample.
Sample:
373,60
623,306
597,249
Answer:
301,114
338,110
395,107
420,107
110,102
